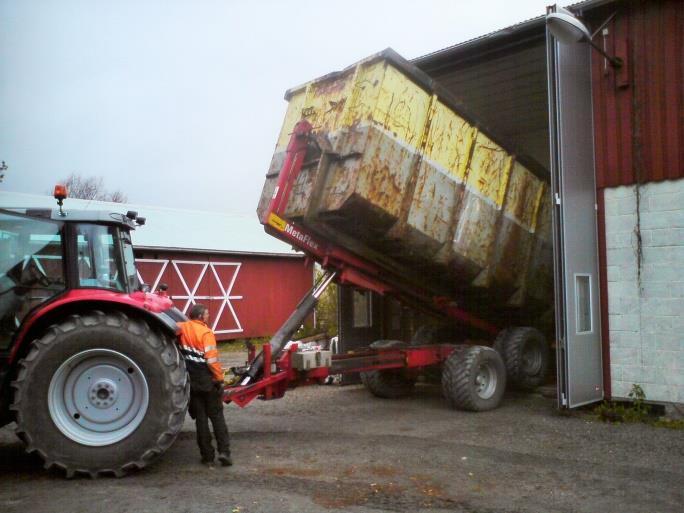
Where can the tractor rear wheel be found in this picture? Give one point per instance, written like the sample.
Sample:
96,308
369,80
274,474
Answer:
100,394
473,378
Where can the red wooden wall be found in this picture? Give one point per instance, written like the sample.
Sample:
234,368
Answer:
639,109
247,295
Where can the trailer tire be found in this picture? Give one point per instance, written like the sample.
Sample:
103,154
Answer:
526,355
390,383
473,378
428,334
100,394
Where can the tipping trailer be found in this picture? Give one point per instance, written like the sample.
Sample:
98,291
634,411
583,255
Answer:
393,186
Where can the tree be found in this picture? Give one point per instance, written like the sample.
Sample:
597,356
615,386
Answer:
91,188
325,314
326,309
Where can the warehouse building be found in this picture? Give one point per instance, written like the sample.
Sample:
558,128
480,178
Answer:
607,124
250,281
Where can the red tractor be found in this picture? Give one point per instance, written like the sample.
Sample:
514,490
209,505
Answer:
89,368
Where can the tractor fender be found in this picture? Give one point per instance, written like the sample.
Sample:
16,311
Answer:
159,311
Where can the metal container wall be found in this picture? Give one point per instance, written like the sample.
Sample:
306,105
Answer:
413,185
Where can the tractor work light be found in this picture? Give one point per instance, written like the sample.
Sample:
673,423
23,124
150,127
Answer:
60,193
131,214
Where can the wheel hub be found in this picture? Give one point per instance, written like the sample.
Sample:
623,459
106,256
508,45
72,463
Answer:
98,397
531,360
103,394
485,380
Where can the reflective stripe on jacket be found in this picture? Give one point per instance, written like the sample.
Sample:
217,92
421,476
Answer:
198,345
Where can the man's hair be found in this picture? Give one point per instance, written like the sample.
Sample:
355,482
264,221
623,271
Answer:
197,311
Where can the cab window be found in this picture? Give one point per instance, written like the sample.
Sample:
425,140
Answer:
99,259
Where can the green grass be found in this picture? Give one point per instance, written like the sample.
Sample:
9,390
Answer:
635,411
670,424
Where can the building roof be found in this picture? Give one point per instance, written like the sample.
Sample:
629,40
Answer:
170,228
512,31
501,78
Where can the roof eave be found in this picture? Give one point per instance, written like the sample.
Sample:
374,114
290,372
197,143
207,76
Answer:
512,31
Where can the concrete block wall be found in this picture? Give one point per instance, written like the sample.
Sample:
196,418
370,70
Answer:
646,319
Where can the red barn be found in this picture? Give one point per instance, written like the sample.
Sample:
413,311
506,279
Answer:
248,294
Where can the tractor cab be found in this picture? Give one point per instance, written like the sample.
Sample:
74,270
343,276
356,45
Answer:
46,252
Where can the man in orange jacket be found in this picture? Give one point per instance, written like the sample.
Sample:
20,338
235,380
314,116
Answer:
198,347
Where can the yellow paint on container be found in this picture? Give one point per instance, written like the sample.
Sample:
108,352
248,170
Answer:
523,196
488,169
449,141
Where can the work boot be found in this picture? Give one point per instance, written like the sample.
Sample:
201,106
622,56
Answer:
207,462
225,459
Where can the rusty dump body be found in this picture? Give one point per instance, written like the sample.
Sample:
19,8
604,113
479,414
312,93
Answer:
403,177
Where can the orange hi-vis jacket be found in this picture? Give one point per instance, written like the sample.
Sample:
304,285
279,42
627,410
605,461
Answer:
198,345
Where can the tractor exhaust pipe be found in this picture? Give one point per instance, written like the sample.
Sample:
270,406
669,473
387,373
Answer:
291,325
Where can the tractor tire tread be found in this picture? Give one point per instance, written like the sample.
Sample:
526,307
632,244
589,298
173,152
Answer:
178,380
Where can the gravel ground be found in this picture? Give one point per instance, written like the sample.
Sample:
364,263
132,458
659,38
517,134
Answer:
332,448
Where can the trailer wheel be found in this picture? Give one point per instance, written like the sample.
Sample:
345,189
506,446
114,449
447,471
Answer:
473,378
526,355
100,394
428,334
390,383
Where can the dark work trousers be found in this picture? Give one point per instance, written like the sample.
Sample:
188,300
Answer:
207,406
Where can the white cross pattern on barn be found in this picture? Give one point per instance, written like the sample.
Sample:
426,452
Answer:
191,293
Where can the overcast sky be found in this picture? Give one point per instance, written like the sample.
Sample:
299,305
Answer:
179,102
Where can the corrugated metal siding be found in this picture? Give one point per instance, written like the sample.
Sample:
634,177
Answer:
639,110
247,296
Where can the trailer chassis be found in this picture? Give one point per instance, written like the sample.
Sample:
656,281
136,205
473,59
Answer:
273,383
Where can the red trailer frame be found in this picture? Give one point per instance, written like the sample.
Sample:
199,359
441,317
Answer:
273,385
349,269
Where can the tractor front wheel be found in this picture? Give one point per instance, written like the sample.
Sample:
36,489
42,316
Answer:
100,394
